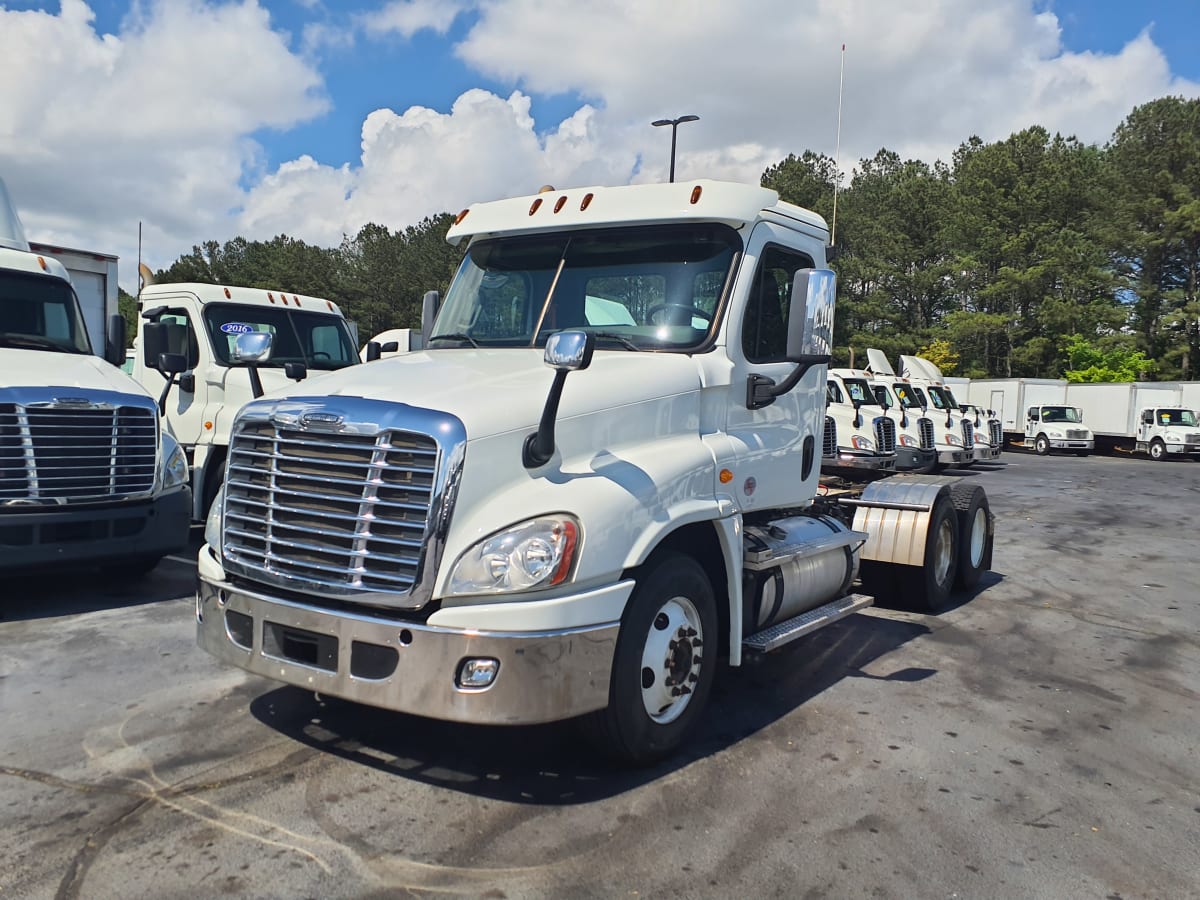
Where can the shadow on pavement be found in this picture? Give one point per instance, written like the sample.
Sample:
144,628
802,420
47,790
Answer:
68,590
551,764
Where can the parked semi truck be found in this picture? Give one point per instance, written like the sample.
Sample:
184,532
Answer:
1145,417
186,354
547,515
389,343
916,447
86,476
859,437
954,441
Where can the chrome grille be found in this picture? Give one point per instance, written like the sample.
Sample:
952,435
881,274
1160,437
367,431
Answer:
86,453
829,445
1192,439
968,434
885,435
996,430
347,511
1076,434
928,436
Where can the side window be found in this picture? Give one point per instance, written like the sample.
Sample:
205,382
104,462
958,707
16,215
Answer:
1148,416
833,393
764,327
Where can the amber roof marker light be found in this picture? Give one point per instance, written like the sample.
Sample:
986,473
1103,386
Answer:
674,123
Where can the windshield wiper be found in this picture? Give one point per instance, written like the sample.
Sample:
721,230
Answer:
456,336
619,338
33,340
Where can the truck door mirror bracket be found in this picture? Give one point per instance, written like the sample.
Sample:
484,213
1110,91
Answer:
762,391
566,351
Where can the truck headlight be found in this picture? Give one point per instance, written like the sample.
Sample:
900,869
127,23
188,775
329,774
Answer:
1174,439
175,466
537,553
908,441
1054,433
212,524
953,440
858,442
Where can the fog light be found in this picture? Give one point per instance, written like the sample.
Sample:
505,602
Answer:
475,674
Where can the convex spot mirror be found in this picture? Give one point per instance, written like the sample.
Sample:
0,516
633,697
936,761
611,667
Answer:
252,347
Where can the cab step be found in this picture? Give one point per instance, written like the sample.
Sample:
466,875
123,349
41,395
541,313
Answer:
790,629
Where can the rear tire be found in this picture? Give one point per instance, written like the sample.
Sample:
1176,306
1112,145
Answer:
929,587
974,534
664,663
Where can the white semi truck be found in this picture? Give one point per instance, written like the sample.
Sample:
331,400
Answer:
859,436
546,515
185,354
954,439
87,478
1145,417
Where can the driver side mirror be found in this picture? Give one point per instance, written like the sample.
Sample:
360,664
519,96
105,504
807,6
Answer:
114,340
252,347
809,334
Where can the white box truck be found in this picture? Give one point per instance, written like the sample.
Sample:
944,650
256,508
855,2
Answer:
1143,417
86,475
541,516
94,277
1011,398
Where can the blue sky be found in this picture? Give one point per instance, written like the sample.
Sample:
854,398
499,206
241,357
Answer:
203,119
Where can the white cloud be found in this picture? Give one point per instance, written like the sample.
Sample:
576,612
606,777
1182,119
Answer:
157,122
150,124
407,17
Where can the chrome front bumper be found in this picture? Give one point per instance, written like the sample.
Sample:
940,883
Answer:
1072,445
859,459
986,454
542,676
955,457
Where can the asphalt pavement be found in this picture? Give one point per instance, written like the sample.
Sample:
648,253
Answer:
1041,738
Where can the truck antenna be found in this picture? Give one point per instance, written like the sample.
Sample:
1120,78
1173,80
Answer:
837,154
139,268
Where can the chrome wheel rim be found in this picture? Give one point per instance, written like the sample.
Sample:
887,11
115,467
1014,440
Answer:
943,548
671,660
978,537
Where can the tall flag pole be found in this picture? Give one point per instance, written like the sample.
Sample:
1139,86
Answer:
837,158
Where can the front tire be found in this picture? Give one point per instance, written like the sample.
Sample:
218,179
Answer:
1042,445
664,663
1158,451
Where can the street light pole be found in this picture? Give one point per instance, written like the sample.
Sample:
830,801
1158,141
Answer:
674,123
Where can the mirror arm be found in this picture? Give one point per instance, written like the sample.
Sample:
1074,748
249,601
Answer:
162,398
762,391
256,387
539,446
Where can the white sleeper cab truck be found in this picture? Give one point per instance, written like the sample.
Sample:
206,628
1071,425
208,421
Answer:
1056,427
954,430
954,442
187,355
858,434
86,476
564,509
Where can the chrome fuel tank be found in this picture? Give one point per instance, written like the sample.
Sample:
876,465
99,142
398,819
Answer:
795,564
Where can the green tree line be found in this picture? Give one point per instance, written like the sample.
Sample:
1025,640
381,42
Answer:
1036,255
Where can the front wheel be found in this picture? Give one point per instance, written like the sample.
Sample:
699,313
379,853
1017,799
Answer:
1042,445
1158,450
664,663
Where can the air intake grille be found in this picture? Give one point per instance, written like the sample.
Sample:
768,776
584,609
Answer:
76,455
885,435
968,433
829,445
996,430
344,511
1076,434
928,437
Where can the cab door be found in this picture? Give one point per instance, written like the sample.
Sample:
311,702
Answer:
777,448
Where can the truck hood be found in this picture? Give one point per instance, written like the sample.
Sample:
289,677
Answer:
492,391
43,368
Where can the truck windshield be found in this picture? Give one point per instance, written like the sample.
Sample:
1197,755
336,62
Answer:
1177,417
1067,414
40,313
653,287
910,396
319,340
858,389
942,398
